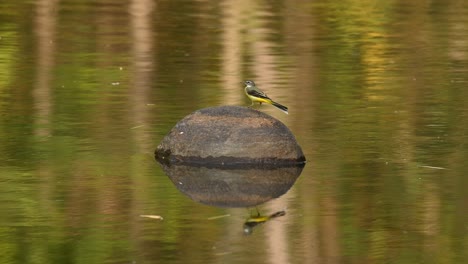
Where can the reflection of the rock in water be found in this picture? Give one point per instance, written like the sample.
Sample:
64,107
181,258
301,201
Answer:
233,187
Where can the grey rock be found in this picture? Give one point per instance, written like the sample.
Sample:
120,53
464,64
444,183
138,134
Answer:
229,136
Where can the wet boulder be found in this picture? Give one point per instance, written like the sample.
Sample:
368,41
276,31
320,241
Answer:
229,136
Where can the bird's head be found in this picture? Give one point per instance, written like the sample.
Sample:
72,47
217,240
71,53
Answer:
249,83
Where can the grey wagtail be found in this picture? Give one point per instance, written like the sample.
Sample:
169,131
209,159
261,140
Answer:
256,95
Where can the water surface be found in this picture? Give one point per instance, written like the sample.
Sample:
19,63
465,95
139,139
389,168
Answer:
377,97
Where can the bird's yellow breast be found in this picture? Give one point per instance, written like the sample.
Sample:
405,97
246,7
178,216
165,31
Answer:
258,99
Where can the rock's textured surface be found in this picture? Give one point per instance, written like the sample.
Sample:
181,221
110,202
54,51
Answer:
229,135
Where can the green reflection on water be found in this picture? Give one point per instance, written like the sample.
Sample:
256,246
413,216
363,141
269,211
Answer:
377,93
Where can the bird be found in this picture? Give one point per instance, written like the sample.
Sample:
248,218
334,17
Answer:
256,95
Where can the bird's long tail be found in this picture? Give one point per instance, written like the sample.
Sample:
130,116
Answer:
278,214
280,107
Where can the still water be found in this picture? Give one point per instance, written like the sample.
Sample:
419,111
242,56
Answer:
377,92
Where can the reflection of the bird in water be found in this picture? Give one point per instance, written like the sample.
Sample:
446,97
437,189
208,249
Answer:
255,220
